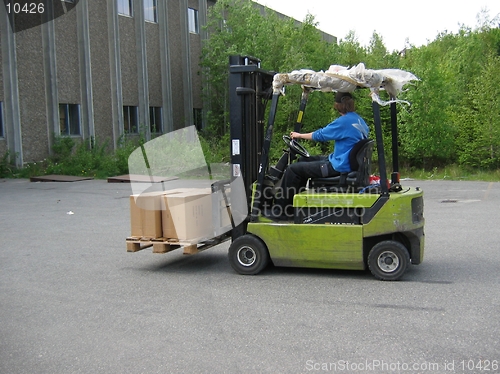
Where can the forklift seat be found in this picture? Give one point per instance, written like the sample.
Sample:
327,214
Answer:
360,159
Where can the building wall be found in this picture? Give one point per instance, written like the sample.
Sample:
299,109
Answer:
195,50
32,95
175,47
154,63
68,66
53,60
128,55
1,70
3,143
195,53
102,104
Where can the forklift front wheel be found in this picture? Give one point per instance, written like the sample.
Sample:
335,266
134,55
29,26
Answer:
248,255
388,260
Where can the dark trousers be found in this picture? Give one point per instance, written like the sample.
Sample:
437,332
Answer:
296,176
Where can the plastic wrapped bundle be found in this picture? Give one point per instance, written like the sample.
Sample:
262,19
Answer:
343,79
317,80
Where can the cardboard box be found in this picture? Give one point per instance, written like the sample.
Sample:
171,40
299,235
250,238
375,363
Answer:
145,215
135,218
187,215
224,220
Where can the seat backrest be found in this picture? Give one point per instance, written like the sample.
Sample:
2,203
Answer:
364,162
360,159
353,154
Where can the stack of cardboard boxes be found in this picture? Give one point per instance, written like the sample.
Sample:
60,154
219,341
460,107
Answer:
182,214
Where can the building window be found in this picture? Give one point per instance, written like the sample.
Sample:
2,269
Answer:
155,120
130,120
69,119
194,26
1,120
125,7
198,118
150,13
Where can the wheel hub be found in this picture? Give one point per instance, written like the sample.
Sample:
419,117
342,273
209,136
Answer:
388,262
246,256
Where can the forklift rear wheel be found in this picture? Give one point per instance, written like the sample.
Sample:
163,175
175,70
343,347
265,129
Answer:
388,260
248,255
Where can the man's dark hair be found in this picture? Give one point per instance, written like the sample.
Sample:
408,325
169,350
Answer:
344,102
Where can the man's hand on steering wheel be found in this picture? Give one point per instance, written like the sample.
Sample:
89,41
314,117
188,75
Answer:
295,146
298,135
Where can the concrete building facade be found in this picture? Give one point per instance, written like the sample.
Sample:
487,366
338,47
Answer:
104,69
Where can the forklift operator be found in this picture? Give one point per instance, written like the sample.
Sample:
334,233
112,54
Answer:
346,131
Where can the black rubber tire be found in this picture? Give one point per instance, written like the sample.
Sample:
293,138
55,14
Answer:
388,260
248,255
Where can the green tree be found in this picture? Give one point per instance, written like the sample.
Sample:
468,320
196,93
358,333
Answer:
237,27
427,132
350,52
479,139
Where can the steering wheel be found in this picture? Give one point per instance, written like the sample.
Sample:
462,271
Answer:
295,146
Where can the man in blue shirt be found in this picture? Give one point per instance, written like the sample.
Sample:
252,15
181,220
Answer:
346,131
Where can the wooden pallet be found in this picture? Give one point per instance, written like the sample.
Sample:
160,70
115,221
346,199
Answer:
164,245
161,245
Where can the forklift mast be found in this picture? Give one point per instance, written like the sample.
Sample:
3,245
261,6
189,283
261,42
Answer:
250,87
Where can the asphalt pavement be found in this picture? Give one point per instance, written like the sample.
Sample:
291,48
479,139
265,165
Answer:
72,300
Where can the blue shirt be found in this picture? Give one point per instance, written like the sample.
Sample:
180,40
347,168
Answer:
346,130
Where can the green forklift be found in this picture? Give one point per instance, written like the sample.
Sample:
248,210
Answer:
344,222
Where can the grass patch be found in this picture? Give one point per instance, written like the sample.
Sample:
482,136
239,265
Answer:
72,157
453,173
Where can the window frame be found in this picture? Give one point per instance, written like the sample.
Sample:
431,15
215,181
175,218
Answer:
198,118
130,112
193,21
154,5
120,4
156,112
67,123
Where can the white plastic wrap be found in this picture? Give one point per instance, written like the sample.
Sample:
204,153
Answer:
343,79
317,80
